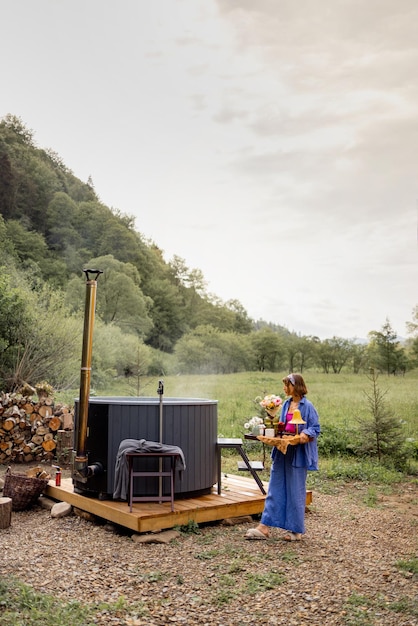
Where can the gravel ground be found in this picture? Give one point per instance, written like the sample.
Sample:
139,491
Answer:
344,571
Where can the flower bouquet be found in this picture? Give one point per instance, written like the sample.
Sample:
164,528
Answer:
254,424
271,404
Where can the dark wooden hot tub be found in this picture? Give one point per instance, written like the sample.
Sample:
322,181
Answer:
190,423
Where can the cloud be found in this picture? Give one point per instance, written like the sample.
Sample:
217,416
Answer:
271,144
228,115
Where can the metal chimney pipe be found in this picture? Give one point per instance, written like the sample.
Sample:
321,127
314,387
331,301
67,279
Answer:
80,468
160,392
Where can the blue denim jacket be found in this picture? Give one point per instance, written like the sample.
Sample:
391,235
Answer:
305,455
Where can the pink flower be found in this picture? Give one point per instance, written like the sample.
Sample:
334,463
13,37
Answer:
271,402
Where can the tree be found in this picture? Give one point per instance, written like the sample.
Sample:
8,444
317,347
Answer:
137,361
31,179
359,357
308,349
38,339
18,128
268,349
212,311
120,299
190,354
335,353
91,219
210,351
189,278
241,322
35,259
118,354
381,433
60,214
15,323
192,287
384,351
168,315
28,244
6,185
300,351
119,241
51,348
7,250
412,328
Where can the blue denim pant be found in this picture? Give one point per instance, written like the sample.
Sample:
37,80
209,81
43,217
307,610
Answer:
284,506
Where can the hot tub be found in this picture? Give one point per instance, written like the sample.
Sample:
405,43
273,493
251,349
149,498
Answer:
190,423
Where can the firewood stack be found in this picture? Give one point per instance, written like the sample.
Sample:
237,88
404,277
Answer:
29,427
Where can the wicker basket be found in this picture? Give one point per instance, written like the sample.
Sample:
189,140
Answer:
23,490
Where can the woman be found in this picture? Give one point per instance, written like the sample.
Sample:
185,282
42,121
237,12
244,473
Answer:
284,506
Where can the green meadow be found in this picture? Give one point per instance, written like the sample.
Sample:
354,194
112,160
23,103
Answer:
339,398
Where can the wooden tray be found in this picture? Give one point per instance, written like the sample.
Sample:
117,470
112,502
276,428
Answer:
280,443
273,441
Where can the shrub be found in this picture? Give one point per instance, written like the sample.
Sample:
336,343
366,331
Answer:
335,441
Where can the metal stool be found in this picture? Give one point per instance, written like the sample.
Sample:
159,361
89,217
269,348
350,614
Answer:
173,456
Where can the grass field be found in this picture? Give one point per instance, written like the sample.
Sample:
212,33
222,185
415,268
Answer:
339,398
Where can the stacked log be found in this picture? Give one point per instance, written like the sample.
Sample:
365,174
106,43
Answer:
64,449
29,427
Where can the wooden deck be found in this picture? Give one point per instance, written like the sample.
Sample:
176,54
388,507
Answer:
239,496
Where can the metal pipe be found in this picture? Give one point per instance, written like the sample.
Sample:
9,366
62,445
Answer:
81,470
160,392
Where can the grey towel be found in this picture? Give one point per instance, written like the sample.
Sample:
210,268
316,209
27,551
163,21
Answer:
120,490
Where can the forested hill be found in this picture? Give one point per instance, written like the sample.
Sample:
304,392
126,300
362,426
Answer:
57,225
152,316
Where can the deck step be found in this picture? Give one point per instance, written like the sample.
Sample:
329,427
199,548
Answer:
256,465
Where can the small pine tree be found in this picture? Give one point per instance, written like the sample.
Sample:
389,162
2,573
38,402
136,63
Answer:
381,434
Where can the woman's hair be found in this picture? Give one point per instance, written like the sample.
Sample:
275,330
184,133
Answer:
298,384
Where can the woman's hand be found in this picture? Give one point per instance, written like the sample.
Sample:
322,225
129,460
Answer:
304,438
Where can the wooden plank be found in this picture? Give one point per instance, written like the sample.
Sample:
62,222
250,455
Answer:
256,465
240,496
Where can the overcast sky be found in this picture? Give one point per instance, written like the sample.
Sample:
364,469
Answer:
272,144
